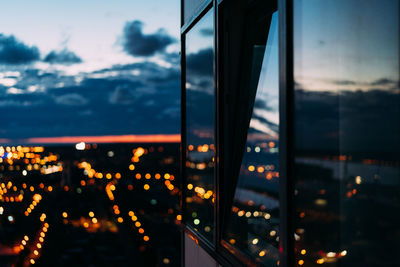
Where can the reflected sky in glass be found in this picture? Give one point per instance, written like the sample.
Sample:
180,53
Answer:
347,132
200,194
253,225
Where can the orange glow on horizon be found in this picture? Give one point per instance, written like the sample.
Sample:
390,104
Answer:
149,138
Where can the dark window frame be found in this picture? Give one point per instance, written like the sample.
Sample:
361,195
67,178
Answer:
224,255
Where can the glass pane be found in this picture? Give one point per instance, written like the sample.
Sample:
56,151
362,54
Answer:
200,126
253,225
347,132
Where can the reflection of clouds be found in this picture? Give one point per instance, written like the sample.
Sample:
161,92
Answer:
366,121
264,128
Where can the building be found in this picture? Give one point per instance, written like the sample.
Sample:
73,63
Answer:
290,132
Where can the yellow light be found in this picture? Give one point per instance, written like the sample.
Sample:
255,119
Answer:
190,186
39,245
134,218
120,220
42,234
35,252
91,213
320,261
303,252
86,225
138,224
300,262
94,220
50,188
251,168
23,242
112,187
26,238
41,239
131,167
64,214
179,217
108,176
262,253
32,261
146,187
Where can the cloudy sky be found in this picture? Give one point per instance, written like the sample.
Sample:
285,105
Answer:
78,68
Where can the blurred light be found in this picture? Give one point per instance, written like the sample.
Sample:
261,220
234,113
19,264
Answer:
320,261
262,253
10,218
358,180
196,221
80,146
24,172
343,253
166,261
91,213
300,262
146,238
64,214
331,254
254,241
303,252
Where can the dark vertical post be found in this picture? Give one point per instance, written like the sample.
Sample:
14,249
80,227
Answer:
286,111
183,136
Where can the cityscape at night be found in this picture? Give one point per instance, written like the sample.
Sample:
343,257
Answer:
199,133
90,205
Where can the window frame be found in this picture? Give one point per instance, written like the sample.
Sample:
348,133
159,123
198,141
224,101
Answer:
225,255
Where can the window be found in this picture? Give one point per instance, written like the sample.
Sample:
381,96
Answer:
200,151
347,132
253,224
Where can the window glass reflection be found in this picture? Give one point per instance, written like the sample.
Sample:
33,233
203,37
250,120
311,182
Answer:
200,195
347,132
253,225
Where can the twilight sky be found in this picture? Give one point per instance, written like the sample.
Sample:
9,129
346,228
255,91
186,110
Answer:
79,68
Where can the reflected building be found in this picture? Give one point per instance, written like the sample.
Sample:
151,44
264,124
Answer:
291,133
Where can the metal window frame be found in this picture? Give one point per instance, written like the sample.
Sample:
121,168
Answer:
223,253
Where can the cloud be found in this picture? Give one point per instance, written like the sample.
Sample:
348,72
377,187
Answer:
71,100
344,82
201,62
13,51
383,81
65,57
136,43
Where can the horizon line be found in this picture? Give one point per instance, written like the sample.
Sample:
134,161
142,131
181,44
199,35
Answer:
147,138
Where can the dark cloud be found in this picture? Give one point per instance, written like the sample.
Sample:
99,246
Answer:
136,43
122,103
352,121
65,57
13,51
344,82
201,62
383,81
